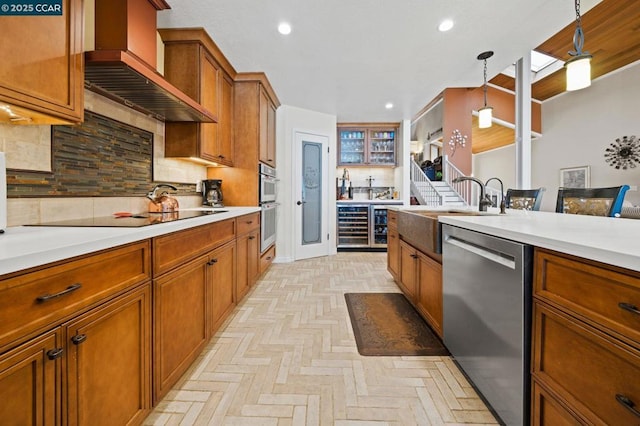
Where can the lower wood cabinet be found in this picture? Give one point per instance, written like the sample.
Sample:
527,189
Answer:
31,381
221,284
408,271
109,362
429,298
421,282
586,351
93,370
266,258
393,245
248,253
179,322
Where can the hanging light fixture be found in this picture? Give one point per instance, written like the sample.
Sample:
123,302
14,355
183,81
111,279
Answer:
485,113
579,65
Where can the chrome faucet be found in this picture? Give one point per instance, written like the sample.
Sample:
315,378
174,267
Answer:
502,204
483,202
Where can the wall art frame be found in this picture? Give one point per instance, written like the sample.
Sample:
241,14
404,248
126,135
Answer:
575,177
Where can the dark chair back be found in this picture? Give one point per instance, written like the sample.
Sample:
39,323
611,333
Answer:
591,201
524,199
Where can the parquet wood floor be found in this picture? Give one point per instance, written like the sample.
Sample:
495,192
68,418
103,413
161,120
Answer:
287,356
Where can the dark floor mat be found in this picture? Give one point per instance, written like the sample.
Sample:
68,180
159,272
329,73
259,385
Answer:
385,324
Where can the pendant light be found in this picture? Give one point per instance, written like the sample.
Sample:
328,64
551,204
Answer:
579,65
485,113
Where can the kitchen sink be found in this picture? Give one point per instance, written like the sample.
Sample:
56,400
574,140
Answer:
421,228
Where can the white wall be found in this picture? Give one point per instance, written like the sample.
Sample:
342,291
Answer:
577,127
289,120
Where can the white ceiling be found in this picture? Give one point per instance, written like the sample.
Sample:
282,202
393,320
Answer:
350,57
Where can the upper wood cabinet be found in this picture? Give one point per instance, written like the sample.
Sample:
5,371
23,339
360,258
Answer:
195,65
267,129
42,73
254,135
367,144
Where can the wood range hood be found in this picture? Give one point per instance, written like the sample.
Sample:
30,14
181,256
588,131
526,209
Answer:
122,65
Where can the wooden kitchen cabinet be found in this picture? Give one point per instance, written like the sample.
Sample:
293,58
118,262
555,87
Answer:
248,253
109,362
266,259
367,144
194,281
420,279
254,131
585,319
195,65
180,322
429,297
99,301
222,283
393,245
267,129
42,72
408,271
31,381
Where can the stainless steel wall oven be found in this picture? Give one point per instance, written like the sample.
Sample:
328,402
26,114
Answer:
267,195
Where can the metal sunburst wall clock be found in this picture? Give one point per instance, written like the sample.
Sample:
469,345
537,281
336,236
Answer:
624,153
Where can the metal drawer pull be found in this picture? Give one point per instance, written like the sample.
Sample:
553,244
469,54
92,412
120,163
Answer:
629,307
628,404
55,353
212,262
251,237
79,339
47,297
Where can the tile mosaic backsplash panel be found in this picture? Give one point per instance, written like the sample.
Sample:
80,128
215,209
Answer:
100,157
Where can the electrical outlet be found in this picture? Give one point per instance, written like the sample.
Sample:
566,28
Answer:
199,186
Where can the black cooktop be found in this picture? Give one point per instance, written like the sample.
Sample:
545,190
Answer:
134,221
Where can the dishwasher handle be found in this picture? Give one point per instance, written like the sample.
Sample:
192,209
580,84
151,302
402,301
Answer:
493,255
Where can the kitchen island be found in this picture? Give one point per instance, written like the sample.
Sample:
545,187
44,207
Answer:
581,311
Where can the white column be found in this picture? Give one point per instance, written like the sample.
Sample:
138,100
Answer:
523,122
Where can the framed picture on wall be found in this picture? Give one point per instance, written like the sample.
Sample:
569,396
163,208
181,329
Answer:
575,177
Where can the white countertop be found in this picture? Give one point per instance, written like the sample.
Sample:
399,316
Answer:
615,241
23,247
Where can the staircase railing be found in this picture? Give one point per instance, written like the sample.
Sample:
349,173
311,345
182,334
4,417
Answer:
423,186
464,189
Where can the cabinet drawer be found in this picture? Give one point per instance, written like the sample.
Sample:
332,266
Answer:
179,247
548,411
596,292
248,223
267,258
585,367
42,297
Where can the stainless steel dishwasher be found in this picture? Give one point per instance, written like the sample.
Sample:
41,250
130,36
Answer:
487,316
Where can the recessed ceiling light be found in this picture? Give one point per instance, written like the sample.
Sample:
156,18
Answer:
388,105
445,25
284,28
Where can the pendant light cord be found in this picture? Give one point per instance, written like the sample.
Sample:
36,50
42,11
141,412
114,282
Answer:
484,89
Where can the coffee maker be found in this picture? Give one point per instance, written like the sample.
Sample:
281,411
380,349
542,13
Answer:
212,193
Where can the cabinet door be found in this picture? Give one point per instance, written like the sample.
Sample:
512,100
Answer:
30,382
264,126
179,322
225,122
393,252
209,86
222,282
351,146
42,64
408,270
248,262
381,147
109,361
429,300
271,135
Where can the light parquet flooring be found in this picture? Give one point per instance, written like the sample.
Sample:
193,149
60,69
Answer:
287,356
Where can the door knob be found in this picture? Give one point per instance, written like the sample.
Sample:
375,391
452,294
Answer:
300,203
